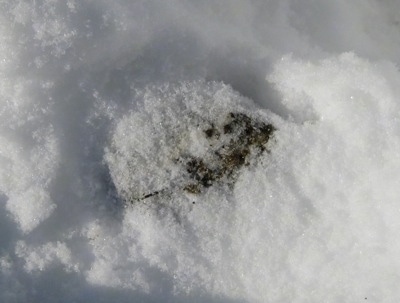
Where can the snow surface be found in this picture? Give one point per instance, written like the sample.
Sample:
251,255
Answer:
96,97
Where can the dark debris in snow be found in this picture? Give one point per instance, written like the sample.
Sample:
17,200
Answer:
232,145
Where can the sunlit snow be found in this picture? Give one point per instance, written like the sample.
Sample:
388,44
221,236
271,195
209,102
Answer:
104,103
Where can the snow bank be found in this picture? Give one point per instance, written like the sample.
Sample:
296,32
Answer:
99,98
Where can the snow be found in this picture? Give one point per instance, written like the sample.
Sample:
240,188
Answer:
105,102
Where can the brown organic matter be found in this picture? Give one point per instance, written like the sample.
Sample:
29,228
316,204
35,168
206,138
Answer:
231,146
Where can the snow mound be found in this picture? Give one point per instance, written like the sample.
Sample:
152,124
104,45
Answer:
185,138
